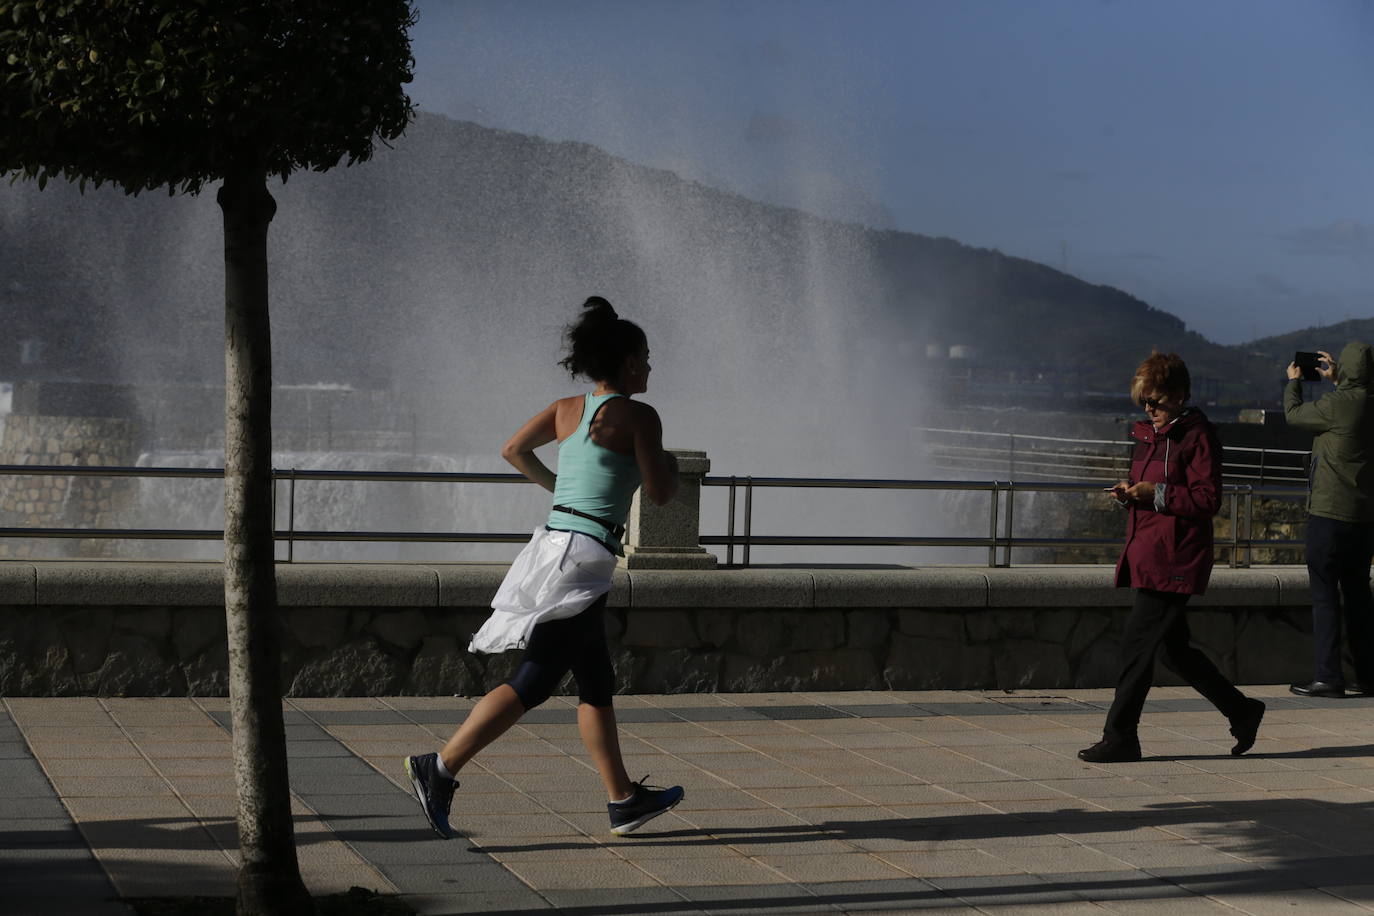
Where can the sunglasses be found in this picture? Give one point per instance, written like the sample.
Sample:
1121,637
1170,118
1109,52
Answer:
1154,404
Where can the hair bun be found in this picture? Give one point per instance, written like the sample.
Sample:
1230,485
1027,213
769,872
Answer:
599,309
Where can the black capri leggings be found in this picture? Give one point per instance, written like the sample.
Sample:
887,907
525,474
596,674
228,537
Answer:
555,647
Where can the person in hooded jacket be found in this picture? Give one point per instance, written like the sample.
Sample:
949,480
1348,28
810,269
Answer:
1174,490
1340,517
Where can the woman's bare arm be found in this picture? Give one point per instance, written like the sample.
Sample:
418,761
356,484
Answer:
657,466
519,450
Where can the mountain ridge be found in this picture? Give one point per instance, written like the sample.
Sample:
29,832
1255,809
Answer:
462,239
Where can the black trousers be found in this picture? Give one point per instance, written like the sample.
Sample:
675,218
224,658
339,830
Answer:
1158,626
1338,558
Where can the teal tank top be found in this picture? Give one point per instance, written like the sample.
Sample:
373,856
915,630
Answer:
594,480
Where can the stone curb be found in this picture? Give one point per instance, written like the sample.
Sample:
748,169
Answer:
131,584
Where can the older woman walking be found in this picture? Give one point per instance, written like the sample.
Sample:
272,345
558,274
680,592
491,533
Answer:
1174,490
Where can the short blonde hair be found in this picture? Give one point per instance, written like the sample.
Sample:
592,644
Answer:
1162,373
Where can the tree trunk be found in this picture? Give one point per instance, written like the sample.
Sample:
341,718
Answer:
269,875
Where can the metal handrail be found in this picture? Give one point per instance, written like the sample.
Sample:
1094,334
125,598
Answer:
990,452
1241,547
999,544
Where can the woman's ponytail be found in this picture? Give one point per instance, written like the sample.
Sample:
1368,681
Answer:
599,341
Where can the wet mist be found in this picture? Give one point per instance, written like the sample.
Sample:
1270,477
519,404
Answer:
441,275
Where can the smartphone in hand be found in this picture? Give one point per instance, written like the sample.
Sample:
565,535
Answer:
1307,363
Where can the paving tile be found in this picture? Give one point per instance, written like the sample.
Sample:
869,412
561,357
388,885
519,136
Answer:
468,878
218,748
14,808
771,778
47,712
854,866
62,768
338,879
935,793
583,873
1040,859
1004,890
909,794
716,872
134,874
590,901
902,895
946,862
112,787
518,900
39,833
1185,905
14,749
1294,900
787,798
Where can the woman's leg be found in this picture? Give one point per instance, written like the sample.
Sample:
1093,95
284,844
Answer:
491,718
546,660
595,676
1145,628
599,734
1189,662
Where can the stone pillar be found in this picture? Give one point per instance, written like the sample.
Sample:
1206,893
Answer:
665,537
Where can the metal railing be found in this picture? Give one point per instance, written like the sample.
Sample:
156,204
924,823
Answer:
1018,456
290,535
999,541
1001,514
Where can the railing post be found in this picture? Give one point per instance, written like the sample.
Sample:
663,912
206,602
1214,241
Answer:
1249,521
992,527
748,516
1011,505
1235,529
730,526
666,537
291,518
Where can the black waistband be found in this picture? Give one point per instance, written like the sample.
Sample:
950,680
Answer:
616,531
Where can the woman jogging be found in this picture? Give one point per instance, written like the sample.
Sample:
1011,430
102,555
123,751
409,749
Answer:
553,599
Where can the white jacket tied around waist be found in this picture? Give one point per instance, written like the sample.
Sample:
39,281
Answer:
557,575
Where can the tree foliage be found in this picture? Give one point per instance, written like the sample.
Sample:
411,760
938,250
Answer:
178,93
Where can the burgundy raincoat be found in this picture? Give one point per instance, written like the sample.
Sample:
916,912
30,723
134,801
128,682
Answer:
1171,550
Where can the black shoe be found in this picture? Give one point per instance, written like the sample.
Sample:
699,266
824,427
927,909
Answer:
1318,689
647,803
1245,726
1358,690
1105,751
434,792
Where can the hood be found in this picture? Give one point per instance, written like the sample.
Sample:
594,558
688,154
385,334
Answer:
1355,366
1144,430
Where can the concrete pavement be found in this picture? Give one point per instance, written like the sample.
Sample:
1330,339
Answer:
796,803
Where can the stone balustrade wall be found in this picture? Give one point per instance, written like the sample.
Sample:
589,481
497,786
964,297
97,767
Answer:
43,501
146,629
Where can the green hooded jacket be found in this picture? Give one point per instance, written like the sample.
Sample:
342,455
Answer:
1342,476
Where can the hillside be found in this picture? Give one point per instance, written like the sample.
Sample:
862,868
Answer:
1326,337
458,255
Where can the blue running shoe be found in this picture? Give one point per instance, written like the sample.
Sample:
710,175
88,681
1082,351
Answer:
435,792
647,803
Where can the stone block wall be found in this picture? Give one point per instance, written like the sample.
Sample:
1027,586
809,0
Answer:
143,629
44,501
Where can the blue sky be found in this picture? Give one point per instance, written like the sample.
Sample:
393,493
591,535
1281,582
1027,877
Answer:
1214,157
